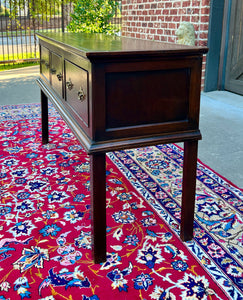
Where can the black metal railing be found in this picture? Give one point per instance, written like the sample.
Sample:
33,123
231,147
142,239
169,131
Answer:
19,23
20,20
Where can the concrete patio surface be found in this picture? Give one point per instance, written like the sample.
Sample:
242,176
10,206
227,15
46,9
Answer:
221,121
18,86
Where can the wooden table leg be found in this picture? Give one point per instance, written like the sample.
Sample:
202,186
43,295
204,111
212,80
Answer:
188,189
98,206
44,118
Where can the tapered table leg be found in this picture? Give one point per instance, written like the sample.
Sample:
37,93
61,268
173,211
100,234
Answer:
188,189
44,118
98,206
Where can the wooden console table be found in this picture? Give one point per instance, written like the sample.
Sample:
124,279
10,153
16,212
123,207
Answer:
118,93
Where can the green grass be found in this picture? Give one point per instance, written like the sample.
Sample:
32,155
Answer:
17,65
18,56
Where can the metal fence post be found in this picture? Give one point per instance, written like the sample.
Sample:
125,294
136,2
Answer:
63,17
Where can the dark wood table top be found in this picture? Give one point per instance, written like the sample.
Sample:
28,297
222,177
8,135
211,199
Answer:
101,45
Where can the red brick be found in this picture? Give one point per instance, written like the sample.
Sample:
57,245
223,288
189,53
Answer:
165,11
205,2
172,25
163,38
196,3
168,4
205,10
204,58
204,19
168,18
185,18
161,5
203,26
151,12
203,35
176,19
171,40
186,3
173,12
161,18
156,25
177,4
202,43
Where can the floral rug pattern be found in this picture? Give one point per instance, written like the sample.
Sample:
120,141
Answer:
45,233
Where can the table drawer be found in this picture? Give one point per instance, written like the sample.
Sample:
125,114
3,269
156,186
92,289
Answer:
76,90
56,73
45,62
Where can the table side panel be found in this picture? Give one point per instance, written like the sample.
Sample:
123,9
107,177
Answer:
148,97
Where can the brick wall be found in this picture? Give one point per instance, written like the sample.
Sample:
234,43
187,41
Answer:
159,20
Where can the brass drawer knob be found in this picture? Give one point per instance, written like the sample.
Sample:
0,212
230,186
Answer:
59,76
53,71
81,94
69,85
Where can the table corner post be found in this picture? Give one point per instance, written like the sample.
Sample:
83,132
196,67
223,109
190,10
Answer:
98,206
44,118
188,189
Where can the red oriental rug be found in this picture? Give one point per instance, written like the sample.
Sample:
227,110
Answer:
45,221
